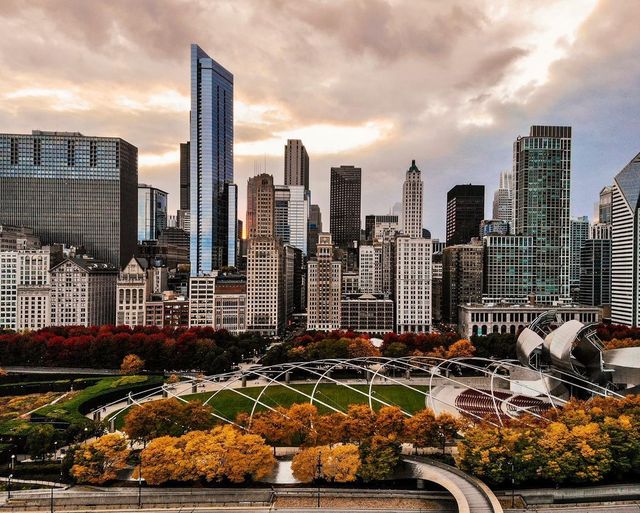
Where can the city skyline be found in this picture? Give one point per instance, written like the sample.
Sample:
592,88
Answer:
355,114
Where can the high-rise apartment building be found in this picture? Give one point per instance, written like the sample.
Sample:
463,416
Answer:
461,278
412,203
213,202
185,176
292,216
315,228
542,175
296,164
345,197
413,285
436,286
73,190
508,269
136,283
465,212
578,234
324,288
152,212
503,198
370,268
261,204
83,292
625,245
202,300
8,289
33,287
605,204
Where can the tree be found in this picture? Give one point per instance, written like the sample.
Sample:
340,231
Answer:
303,417
390,422
461,348
339,463
446,428
330,428
166,417
99,461
361,348
161,460
420,429
274,425
380,457
359,423
131,364
41,440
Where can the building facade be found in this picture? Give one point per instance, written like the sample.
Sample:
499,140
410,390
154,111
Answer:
230,303
578,234
265,286
345,197
324,285
413,285
367,313
412,202
73,190
152,212
315,229
213,216
132,289
261,206
595,272
296,164
461,278
292,216
83,292
370,268
503,199
542,175
465,212
625,245
375,225
508,269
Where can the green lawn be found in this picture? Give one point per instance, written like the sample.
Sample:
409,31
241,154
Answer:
229,403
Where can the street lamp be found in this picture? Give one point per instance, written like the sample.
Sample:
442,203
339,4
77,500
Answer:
319,475
9,487
140,481
13,462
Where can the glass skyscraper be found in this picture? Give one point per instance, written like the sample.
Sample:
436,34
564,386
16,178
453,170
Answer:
152,212
211,164
542,174
291,215
72,189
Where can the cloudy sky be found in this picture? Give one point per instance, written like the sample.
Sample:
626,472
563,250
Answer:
371,83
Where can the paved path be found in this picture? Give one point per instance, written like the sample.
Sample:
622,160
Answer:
471,494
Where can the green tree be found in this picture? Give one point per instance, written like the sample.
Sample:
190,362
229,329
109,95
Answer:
380,457
41,440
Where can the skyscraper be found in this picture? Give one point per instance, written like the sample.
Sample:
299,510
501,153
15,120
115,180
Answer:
503,198
508,268
152,212
211,164
412,201
185,175
465,212
461,278
315,228
625,246
345,199
324,288
604,205
578,234
542,175
595,272
413,285
72,189
261,201
296,164
292,215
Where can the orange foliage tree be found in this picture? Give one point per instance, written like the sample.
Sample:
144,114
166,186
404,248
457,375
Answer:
339,463
99,461
131,364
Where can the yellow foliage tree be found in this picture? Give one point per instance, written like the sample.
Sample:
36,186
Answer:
390,422
340,463
420,429
161,460
99,461
461,348
362,348
131,364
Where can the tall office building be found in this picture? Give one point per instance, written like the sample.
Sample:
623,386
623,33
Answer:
292,216
315,228
465,212
413,285
625,246
324,288
265,286
345,197
412,201
595,272
72,189
503,198
211,165
461,278
261,205
370,268
542,174
374,226
296,164
185,175
604,205
578,234
508,268
152,212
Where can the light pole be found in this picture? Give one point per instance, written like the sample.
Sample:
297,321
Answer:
13,462
513,486
319,476
9,487
140,481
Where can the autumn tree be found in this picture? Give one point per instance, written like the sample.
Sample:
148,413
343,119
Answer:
420,430
461,348
359,423
339,463
131,364
380,457
330,428
446,428
362,348
390,422
100,460
162,460
166,417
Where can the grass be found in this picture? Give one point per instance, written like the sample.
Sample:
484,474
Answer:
229,403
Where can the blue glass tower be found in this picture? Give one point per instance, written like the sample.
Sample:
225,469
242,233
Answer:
211,166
